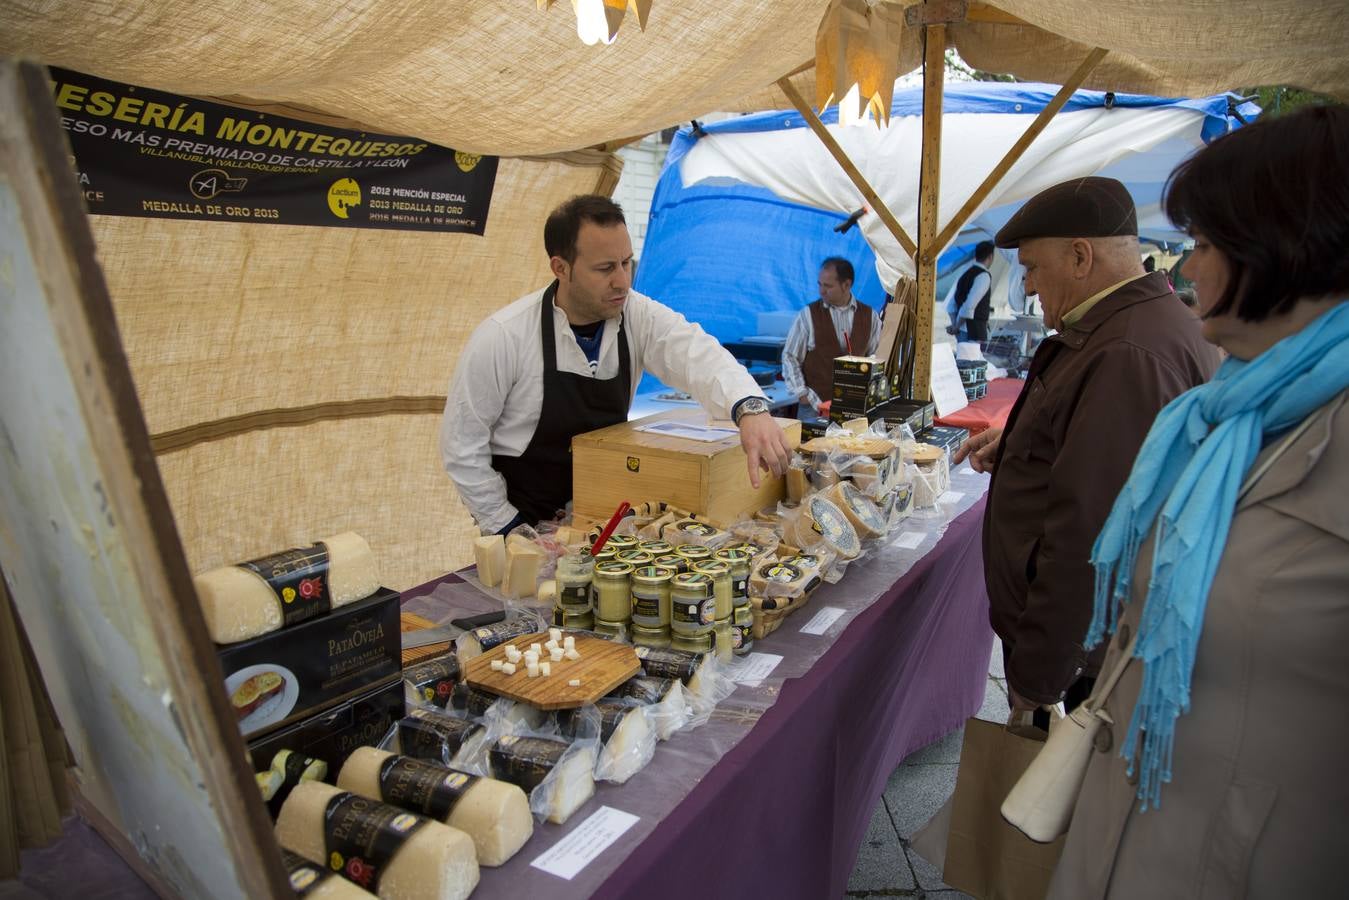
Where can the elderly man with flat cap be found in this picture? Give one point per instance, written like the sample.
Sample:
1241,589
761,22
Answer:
1125,347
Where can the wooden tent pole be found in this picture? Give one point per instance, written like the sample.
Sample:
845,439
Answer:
1023,143
874,202
929,184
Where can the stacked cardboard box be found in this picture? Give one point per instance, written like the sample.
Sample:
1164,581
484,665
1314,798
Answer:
859,386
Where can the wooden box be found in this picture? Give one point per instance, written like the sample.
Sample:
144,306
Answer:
620,463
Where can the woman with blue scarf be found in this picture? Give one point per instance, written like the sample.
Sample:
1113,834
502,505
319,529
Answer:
1227,556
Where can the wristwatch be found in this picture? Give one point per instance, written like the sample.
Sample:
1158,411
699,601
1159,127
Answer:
750,406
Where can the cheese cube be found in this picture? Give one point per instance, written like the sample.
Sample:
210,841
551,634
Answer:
508,668
545,669
555,634
575,682
571,654
496,665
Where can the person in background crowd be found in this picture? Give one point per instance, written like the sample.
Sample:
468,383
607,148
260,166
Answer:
834,325
970,299
565,360
1187,297
1125,348
1223,775
1149,264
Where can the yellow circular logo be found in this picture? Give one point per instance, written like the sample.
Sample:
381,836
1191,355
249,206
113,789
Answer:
343,195
335,861
288,594
466,161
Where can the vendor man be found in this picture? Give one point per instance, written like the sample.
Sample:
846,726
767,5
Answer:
566,360
1125,347
834,325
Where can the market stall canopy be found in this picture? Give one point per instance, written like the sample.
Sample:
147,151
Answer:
729,208
506,78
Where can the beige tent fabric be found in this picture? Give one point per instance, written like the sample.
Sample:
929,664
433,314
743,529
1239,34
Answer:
222,319
505,78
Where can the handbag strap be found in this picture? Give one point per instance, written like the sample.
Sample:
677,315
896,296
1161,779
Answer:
1103,688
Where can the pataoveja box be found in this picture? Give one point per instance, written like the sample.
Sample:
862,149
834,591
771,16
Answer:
283,676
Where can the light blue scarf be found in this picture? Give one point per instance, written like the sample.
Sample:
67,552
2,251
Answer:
1190,469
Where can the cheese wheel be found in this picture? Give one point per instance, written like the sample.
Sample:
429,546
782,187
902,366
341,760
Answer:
313,881
822,517
493,813
436,862
489,553
861,512
239,604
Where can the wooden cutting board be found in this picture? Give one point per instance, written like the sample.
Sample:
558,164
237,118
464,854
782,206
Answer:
603,666
414,622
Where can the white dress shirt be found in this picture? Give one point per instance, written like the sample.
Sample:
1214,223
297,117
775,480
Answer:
982,282
801,340
496,394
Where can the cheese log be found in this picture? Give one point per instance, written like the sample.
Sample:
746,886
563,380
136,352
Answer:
490,554
317,882
495,814
527,762
436,863
480,640
665,694
238,604
522,570
423,734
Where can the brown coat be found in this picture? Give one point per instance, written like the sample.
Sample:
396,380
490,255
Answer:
1090,397
1258,799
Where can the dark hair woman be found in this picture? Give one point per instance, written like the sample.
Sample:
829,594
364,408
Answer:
1226,556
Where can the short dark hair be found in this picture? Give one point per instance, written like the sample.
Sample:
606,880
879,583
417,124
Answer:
983,250
842,268
564,223
1273,198
1149,263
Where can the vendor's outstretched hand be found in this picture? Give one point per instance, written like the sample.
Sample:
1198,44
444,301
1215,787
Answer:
765,446
982,449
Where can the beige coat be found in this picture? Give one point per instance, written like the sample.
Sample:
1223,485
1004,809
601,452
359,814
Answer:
1258,805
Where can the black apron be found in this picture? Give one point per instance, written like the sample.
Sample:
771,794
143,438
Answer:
538,481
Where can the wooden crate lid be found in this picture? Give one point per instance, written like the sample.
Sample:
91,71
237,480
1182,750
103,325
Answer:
625,436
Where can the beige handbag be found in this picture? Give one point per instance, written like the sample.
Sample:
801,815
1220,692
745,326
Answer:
1041,803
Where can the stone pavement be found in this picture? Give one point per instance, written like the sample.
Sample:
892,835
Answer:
886,866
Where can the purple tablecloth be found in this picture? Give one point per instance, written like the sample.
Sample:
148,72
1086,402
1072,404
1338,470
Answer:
783,814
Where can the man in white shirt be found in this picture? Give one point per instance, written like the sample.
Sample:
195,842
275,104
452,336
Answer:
565,360
835,325
970,299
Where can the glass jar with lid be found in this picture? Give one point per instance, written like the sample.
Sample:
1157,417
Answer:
574,573
634,557
692,605
612,602
619,542
694,553
739,560
656,548
672,561
720,573
651,596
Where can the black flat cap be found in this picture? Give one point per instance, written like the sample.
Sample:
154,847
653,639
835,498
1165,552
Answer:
1081,208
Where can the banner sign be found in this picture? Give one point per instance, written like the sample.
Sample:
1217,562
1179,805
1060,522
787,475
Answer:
140,152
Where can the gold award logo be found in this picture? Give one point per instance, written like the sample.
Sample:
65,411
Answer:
466,162
343,195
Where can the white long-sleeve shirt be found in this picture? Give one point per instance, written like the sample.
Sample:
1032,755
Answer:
982,282
801,340
496,394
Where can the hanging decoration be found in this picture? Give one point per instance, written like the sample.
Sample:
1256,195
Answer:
598,20
857,59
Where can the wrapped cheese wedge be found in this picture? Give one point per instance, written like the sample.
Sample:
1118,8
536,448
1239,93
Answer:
557,776
435,736
263,595
627,739
664,662
493,813
664,695
822,520
312,881
394,854
479,703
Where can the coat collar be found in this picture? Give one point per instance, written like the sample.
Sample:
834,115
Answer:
1297,462
1141,290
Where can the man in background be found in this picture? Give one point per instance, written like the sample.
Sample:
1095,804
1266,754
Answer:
834,325
970,299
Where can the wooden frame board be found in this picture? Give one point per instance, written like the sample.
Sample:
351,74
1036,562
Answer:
89,546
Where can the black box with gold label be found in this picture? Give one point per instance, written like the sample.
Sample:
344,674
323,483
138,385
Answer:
328,737
283,676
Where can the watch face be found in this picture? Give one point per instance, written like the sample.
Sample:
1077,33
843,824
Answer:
756,405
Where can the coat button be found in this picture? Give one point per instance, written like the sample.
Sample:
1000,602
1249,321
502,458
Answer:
1104,739
1124,635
